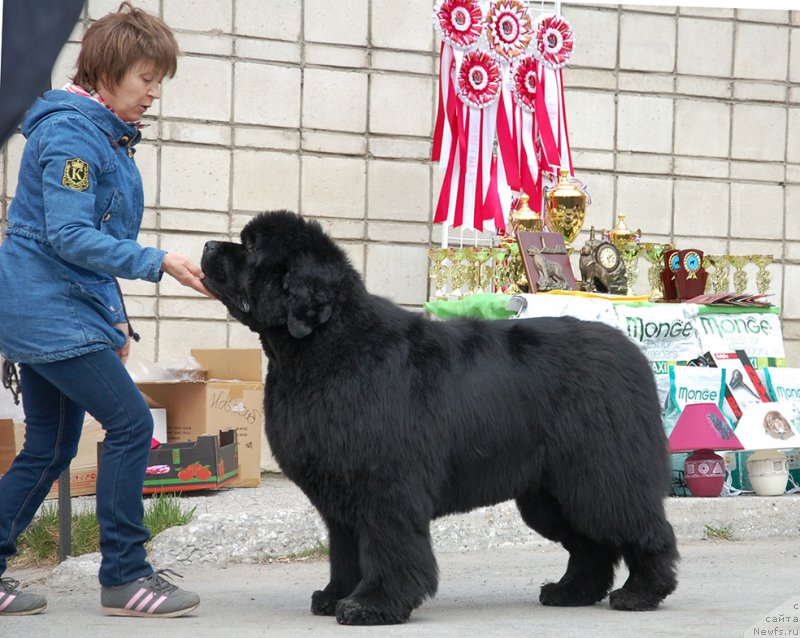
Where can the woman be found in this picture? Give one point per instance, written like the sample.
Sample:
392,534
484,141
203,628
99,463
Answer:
72,229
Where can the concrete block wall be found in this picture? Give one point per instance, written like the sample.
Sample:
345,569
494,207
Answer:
684,119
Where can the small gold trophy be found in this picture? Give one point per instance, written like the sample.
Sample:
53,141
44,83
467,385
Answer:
565,208
621,234
524,218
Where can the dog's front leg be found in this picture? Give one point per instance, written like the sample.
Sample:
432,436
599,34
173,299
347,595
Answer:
399,572
345,573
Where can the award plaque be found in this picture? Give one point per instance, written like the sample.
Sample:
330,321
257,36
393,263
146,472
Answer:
671,266
690,277
546,261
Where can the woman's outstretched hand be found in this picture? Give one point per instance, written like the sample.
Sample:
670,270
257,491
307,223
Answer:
185,271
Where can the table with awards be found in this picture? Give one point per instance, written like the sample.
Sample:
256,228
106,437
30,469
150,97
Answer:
667,333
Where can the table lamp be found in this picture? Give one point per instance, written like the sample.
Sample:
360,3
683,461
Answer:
765,428
701,429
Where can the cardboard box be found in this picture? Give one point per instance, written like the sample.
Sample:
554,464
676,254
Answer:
231,397
207,463
8,445
159,419
83,469
82,482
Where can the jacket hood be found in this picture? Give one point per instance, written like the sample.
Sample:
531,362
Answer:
61,101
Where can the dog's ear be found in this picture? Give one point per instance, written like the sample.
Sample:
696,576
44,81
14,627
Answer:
311,295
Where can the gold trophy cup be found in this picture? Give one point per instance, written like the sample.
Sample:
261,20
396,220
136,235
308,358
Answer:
524,217
621,234
565,207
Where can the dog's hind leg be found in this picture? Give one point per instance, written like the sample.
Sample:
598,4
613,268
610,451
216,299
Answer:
590,570
345,572
399,571
652,568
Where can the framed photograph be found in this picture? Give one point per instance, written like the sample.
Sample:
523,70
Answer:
546,261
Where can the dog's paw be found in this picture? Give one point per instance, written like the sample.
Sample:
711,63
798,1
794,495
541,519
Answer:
625,600
323,604
568,595
351,611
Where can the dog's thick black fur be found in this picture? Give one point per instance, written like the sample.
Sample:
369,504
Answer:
387,420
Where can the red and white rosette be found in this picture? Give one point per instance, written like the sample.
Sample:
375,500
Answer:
508,35
553,40
524,78
459,22
552,46
508,29
479,80
468,177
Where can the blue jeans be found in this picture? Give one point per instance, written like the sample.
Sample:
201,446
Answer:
55,398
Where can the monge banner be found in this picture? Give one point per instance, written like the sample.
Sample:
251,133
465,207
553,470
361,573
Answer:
664,334
759,334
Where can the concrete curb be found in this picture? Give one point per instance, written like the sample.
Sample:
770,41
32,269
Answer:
276,519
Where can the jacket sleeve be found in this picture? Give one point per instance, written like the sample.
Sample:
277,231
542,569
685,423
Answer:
72,156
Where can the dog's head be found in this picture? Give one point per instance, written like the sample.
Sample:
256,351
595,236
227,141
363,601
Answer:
285,272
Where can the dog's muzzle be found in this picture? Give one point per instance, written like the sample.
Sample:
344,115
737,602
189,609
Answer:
211,249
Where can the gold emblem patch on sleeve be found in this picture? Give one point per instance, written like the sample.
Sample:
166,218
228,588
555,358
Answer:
76,174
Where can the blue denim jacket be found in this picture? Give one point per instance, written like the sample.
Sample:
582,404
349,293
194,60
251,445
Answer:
72,229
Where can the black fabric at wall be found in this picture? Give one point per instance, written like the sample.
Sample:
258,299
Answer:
34,32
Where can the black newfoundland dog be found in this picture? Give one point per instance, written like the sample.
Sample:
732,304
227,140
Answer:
387,420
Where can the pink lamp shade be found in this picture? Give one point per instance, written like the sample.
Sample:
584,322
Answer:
703,428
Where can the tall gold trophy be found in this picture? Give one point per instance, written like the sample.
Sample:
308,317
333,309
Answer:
565,207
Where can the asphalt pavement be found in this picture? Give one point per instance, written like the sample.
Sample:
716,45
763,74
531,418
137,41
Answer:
727,588
240,553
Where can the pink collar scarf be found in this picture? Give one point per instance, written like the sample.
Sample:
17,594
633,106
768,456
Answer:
71,87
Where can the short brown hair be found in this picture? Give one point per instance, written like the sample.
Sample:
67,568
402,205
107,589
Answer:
118,41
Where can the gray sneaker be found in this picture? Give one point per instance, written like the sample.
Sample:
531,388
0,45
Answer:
150,597
13,602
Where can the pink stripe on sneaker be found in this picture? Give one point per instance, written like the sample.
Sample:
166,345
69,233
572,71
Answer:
134,598
156,605
145,600
9,599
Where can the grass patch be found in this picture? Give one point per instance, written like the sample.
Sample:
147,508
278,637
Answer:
163,511
724,533
319,551
39,544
